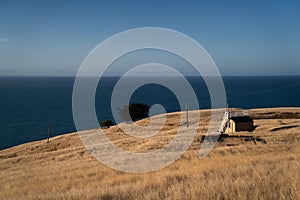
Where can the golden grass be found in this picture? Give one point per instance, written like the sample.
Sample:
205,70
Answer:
63,169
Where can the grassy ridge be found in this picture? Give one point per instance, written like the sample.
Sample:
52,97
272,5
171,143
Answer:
63,169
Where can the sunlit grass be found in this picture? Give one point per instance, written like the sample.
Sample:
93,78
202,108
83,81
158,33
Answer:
63,169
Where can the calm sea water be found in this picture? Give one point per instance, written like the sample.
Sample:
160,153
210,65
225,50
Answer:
28,105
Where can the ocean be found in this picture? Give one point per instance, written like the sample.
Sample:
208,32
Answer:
29,105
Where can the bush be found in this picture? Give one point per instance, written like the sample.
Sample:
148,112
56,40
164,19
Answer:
106,123
137,111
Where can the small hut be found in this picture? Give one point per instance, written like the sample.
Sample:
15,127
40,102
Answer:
237,123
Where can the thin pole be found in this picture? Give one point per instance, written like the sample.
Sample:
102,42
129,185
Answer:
187,115
48,134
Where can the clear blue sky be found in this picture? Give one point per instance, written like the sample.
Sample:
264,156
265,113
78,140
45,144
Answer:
53,37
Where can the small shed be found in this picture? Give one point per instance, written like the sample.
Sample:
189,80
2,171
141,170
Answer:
239,123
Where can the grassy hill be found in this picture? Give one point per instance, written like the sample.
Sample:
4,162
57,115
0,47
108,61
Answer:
234,169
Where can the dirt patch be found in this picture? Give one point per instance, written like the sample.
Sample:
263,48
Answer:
283,128
232,140
276,115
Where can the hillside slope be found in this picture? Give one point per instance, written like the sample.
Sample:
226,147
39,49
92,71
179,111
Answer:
234,169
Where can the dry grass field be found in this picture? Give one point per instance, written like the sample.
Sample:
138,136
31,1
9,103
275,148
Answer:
234,169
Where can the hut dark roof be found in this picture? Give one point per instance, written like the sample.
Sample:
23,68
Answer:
242,119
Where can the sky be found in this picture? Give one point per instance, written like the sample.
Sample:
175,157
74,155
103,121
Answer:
53,37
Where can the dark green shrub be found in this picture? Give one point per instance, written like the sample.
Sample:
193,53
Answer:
137,111
106,123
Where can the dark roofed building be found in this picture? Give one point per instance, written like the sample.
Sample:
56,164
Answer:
239,123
